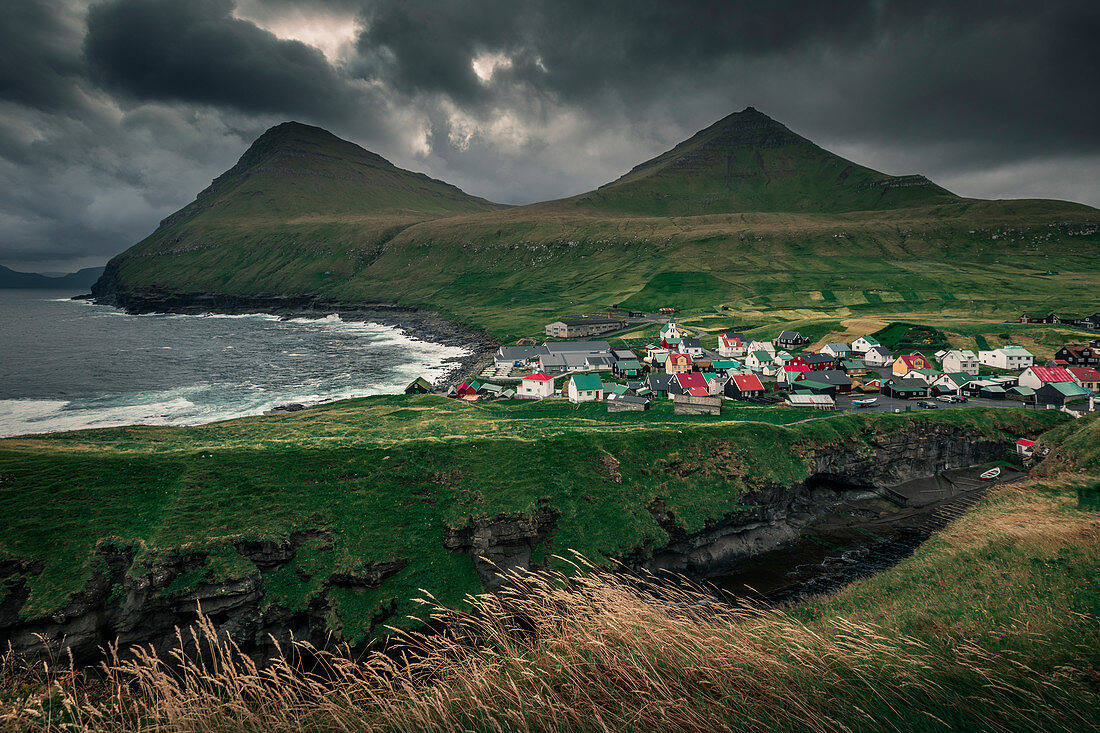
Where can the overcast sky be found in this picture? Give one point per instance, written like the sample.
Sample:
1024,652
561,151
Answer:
114,114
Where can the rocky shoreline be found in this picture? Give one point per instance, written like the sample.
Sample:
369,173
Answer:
413,322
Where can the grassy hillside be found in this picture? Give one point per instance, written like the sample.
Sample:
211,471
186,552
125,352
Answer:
301,209
991,625
746,215
386,475
749,162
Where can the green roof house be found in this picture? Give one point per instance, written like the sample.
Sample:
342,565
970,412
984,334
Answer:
863,344
1059,393
584,388
419,386
628,368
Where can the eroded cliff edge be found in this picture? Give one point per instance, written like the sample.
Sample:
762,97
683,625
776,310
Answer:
143,601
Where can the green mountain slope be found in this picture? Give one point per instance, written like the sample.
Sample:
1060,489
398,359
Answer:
749,162
299,208
745,216
295,170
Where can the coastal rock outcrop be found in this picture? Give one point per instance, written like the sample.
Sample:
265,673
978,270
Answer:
147,603
773,516
502,543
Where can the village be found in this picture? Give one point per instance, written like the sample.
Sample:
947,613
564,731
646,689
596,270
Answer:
861,375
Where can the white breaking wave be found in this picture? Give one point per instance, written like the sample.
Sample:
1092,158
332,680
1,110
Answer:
21,417
330,318
235,316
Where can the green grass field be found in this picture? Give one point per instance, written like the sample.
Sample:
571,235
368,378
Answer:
385,475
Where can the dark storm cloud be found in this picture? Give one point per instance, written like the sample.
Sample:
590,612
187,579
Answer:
575,47
1021,70
196,51
39,55
113,115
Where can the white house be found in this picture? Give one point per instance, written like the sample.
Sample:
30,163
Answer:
759,359
535,387
952,382
1007,357
1036,376
656,357
731,346
585,388
960,360
928,376
839,349
767,346
716,384
670,332
863,344
878,356
691,345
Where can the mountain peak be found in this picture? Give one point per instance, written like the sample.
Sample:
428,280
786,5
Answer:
294,138
748,161
294,169
748,128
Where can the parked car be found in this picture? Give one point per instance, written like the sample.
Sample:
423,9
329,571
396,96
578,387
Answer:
927,404
948,398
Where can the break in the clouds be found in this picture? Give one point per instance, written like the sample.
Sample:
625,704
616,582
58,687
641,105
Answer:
114,114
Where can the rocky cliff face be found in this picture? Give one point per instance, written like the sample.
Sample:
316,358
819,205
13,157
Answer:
500,544
769,518
773,516
140,604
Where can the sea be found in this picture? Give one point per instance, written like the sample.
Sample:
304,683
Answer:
69,364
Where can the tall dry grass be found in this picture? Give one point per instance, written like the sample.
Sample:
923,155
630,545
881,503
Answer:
595,651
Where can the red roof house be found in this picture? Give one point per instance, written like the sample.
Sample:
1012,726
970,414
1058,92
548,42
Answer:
731,346
692,383
678,363
744,385
536,386
1087,377
1036,376
790,371
908,362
